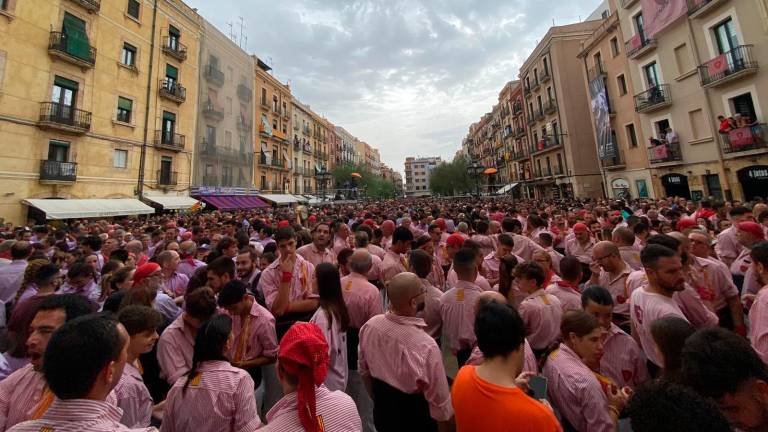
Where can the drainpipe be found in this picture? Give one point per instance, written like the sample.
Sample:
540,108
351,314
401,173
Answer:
597,144
143,158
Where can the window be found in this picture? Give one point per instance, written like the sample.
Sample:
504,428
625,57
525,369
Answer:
64,95
173,38
744,105
58,151
4,5
134,7
621,82
166,164
683,59
228,139
546,66
210,135
129,55
124,109
559,163
725,36
229,105
263,96
698,127
171,75
549,94
631,135
120,159
651,73
169,127
614,47
639,25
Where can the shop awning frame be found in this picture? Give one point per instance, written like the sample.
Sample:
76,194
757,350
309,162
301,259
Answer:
172,202
89,208
233,202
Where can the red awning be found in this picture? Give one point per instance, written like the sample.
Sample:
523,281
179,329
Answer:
232,202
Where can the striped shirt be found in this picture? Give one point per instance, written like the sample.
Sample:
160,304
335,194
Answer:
336,412
437,274
91,290
302,285
758,330
174,350
631,256
712,281
395,349
176,285
392,265
524,247
728,245
616,284
256,340
19,395
431,313
529,359
485,242
646,307
457,311
79,415
579,251
187,267
541,313
574,390
219,398
361,298
569,296
133,398
311,253
338,369
480,281
623,361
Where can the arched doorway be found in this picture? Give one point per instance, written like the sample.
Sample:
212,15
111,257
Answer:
754,181
676,185
621,189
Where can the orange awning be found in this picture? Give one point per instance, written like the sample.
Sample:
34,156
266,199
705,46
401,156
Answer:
490,171
354,174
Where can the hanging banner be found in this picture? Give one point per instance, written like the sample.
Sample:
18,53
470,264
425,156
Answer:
658,14
601,115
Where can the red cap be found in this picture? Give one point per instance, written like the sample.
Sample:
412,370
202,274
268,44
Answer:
455,240
753,228
283,224
441,223
685,223
312,218
143,271
303,354
370,223
580,227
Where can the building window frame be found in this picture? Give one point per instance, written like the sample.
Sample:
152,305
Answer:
124,112
120,158
621,84
129,54
133,10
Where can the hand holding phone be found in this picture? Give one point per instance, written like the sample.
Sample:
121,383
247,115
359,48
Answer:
538,384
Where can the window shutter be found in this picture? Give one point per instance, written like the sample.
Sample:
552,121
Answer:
76,36
124,103
171,72
66,83
173,31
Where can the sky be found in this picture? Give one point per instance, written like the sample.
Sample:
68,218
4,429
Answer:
406,76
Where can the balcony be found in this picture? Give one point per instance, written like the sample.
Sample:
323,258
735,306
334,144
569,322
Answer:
271,163
169,140
744,139
244,93
92,6
57,172
595,71
76,51
699,8
174,48
626,4
212,112
208,148
536,84
734,64
167,178
614,161
558,171
653,99
243,125
638,45
519,154
64,117
540,115
531,119
545,76
550,106
546,143
665,154
214,75
517,109
172,90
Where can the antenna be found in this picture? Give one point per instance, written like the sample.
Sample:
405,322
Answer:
242,31
231,31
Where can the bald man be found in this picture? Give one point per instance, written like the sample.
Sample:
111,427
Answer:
387,228
402,365
610,271
189,264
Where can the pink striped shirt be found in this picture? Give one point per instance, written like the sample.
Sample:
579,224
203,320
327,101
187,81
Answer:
176,285
541,313
581,252
174,350
133,398
485,242
392,265
758,329
361,298
457,311
575,391
437,275
188,267
340,243
377,269
727,245
19,395
311,253
222,399
396,349
336,379
78,415
646,307
302,285
616,284
335,409
631,256
570,297
712,281
524,247
262,339
480,281
431,313
529,359
376,251
623,361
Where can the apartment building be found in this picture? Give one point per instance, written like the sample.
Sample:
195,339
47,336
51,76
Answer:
345,154
690,63
275,159
303,152
68,132
563,154
225,116
417,172
321,137
618,135
334,146
519,155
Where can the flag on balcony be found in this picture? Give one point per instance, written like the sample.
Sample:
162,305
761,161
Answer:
741,137
717,65
635,42
659,152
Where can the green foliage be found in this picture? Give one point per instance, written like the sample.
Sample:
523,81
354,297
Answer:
451,178
375,186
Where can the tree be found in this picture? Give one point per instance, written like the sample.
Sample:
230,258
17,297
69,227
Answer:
375,186
451,178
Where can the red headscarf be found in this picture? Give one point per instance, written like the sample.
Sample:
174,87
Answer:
143,271
304,355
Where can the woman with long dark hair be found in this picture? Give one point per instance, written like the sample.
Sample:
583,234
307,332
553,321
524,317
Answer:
506,265
333,319
214,395
669,334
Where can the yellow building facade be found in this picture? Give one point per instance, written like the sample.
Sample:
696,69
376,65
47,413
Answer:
274,162
84,86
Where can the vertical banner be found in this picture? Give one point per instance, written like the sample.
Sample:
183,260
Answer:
600,113
658,14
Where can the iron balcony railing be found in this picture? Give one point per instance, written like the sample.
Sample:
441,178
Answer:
550,106
174,48
547,142
51,170
744,139
663,153
699,7
169,140
90,5
728,66
167,178
637,45
214,75
654,98
65,116
75,50
172,90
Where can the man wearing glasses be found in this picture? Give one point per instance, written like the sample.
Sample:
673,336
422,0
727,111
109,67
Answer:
610,271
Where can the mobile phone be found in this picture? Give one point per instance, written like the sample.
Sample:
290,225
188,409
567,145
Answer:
538,384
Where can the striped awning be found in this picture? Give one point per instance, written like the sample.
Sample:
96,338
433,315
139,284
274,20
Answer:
233,202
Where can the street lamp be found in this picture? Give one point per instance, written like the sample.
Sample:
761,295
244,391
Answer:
322,176
474,169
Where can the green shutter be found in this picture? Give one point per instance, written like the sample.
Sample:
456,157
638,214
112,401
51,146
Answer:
169,116
173,31
171,72
76,37
124,103
66,83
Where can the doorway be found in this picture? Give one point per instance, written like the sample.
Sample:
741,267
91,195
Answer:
676,185
754,181
713,186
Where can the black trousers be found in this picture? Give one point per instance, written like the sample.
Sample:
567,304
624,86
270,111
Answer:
396,411
353,340
283,323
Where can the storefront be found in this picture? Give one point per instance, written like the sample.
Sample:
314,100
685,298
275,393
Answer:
620,189
754,181
676,185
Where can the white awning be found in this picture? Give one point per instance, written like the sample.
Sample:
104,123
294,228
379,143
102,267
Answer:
89,208
507,188
173,202
280,199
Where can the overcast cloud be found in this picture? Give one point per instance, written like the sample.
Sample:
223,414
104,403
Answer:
406,76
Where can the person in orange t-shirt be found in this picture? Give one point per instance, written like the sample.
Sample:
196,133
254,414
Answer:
488,397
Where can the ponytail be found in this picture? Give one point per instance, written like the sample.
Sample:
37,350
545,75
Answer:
210,341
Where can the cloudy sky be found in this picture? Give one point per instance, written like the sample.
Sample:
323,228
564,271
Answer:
406,76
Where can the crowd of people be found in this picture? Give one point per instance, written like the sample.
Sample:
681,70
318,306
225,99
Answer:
469,314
